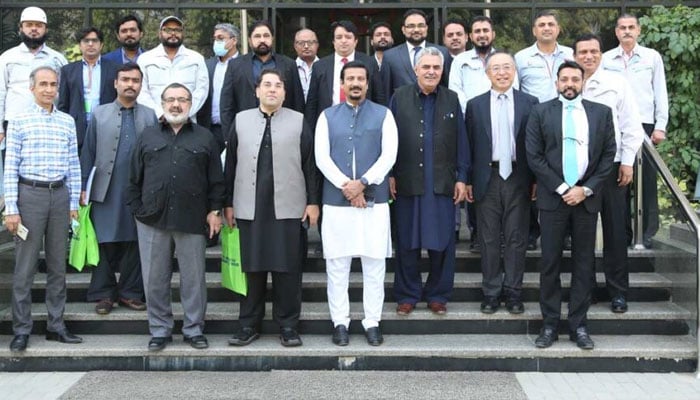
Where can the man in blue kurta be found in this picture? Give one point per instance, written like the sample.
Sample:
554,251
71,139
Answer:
428,180
110,136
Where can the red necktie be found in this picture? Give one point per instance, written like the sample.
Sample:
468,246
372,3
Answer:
343,60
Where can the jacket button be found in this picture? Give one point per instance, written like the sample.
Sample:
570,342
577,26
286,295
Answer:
421,149
349,151
349,137
420,165
421,135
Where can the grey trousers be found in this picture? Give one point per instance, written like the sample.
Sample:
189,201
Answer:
156,247
46,214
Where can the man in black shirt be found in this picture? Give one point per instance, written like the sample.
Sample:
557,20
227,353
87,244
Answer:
176,193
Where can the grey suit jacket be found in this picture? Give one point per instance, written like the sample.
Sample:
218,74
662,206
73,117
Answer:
397,68
102,141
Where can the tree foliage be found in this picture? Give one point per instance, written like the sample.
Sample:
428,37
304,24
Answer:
672,32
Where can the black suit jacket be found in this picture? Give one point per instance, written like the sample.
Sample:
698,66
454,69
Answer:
70,92
204,113
320,94
479,133
544,152
397,68
238,92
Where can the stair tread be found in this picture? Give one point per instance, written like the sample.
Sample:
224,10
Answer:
435,345
216,311
318,280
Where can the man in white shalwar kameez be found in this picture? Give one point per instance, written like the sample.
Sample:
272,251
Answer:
356,143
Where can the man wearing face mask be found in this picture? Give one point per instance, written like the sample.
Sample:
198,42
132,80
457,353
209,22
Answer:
15,66
225,49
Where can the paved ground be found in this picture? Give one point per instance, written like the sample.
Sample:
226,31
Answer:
347,385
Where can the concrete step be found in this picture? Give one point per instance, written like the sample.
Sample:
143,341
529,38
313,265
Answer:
642,318
613,353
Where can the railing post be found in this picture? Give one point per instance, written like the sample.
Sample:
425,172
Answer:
638,220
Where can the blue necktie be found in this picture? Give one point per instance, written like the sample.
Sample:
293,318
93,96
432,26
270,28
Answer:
570,141
416,50
505,157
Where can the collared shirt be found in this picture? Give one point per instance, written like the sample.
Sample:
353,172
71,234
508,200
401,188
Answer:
495,116
538,71
337,66
259,65
92,77
41,146
581,126
126,59
187,68
15,66
412,53
612,89
305,74
468,76
217,83
644,70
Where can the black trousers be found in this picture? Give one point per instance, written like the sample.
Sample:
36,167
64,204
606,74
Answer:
554,225
614,215
505,208
124,258
286,299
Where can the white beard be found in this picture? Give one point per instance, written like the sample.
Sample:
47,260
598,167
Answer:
175,119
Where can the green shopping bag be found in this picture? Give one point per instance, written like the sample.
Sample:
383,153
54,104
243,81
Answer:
232,276
84,249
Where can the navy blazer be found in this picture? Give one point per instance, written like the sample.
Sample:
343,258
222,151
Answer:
479,133
544,152
320,94
115,56
70,92
397,68
204,113
238,92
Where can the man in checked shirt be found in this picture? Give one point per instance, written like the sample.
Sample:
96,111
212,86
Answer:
42,182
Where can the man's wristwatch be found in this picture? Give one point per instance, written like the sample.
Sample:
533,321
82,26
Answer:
216,213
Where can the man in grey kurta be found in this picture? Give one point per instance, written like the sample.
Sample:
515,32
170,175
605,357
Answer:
110,136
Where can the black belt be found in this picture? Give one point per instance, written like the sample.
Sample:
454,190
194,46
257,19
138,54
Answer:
495,164
42,184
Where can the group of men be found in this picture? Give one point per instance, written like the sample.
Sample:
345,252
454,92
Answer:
420,126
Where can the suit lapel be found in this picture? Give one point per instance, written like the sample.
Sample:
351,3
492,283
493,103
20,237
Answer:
555,121
328,73
249,74
517,114
407,64
592,129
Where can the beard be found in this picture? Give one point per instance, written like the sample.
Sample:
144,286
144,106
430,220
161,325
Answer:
32,43
382,47
415,42
175,119
570,93
132,45
485,49
262,49
172,45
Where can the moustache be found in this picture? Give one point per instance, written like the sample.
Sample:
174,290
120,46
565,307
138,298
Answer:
355,88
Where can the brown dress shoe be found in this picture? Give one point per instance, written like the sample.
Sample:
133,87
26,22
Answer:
104,306
437,307
134,304
404,308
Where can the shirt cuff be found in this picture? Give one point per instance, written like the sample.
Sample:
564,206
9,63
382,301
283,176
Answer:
562,188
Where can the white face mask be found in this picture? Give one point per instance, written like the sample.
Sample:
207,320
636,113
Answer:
219,48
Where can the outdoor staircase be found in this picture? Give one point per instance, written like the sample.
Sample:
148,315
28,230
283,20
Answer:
654,335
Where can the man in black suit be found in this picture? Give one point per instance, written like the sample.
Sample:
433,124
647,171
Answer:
225,48
398,62
87,83
325,88
238,92
500,182
570,148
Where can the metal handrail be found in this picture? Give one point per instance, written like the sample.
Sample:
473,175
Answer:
690,214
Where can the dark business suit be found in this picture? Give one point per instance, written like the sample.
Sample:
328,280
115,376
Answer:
238,92
501,205
397,68
71,98
115,56
544,156
320,94
204,113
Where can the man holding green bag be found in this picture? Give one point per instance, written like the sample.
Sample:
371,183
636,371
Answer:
271,182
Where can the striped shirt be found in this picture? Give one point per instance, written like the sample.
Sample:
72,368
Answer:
41,146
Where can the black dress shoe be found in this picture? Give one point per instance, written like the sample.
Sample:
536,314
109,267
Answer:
157,343
532,244
19,343
340,335
197,341
63,337
515,306
374,336
619,304
289,337
474,246
490,305
244,336
581,338
546,338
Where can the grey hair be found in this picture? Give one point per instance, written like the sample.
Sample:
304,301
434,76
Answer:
430,51
32,75
228,28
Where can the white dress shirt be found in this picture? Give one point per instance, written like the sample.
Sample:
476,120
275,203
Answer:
187,68
581,125
217,82
337,66
495,129
644,71
305,74
612,89
538,71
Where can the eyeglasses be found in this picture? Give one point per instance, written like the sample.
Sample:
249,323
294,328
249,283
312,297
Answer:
171,100
90,41
170,31
304,43
498,68
416,26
